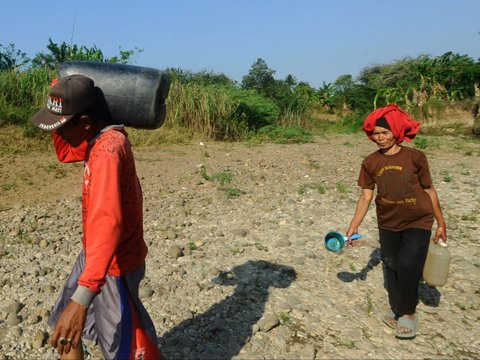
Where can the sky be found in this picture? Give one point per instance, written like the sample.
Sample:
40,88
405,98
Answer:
316,41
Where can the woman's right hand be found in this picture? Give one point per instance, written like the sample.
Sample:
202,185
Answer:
360,212
351,231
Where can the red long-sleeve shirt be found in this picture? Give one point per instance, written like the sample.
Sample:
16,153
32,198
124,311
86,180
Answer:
112,206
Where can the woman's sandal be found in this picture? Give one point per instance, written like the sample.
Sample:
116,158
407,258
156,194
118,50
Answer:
390,319
411,324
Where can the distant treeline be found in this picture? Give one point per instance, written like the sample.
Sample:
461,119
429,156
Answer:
219,108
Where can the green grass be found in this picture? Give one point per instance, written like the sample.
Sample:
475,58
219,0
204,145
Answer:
224,178
464,307
232,192
350,344
25,90
421,143
284,318
192,246
312,186
350,124
447,177
370,306
469,218
58,171
313,165
342,187
8,186
23,236
283,135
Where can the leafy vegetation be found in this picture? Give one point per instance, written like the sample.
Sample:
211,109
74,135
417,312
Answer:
261,108
421,142
224,178
284,318
192,246
312,186
65,52
342,187
284,134
12,58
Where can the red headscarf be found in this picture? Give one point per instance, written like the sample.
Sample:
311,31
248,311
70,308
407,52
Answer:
401,124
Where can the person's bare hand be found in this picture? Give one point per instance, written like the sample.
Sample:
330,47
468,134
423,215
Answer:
68,332
440,233
351,231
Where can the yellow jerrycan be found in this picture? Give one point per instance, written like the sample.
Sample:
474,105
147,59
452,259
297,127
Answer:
437,264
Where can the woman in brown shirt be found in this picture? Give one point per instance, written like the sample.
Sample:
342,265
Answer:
407,205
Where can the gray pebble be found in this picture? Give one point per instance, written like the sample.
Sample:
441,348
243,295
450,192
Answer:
171,234
145,292
239,232
174,251
14,307
268,322
13,319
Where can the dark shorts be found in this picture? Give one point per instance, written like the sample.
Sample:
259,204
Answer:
116,319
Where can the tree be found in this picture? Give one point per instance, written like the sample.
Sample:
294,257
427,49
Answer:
352,96
457,75
11,58
202,77
64,52
414,81
392,83
325,96
260,78
291,81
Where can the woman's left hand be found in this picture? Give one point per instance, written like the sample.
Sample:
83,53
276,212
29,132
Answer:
440,233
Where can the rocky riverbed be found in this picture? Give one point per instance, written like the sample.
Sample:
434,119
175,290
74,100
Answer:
236,265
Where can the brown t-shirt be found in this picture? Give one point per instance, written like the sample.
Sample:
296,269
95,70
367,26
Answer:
401,201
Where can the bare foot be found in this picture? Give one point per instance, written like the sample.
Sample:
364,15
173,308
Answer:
405,329
390,320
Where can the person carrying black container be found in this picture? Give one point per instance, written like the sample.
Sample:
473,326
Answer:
100,300
406,204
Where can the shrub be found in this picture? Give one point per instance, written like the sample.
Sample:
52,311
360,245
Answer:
255,109
421,142
350,124
23,93
204,110
284,134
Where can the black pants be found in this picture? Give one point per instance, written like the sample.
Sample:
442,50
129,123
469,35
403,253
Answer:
403,254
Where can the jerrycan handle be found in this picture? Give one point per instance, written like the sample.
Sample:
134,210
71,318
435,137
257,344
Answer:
442,243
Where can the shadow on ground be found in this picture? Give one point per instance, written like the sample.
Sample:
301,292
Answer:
428,295
375,259
222,331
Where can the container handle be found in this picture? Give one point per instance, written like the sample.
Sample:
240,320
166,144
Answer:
353,237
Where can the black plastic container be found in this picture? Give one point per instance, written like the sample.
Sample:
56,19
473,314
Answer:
135,95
